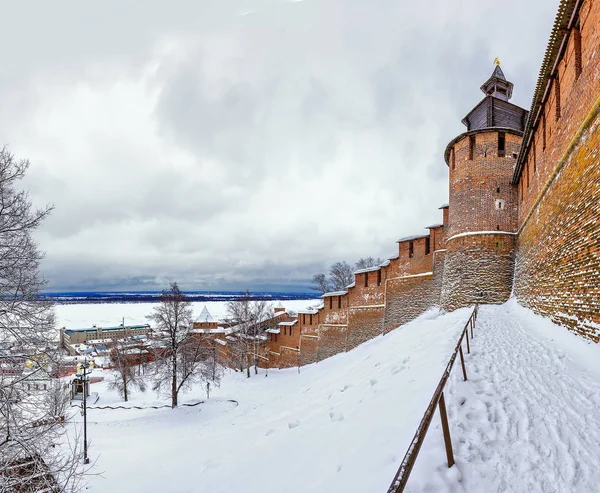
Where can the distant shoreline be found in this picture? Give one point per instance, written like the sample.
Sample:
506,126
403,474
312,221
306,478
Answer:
97,297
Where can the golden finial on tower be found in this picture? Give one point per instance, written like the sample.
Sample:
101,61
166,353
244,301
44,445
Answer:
496,61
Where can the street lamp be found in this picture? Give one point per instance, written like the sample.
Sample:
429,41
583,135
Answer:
83,367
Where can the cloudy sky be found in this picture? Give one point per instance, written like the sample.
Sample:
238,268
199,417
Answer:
231,144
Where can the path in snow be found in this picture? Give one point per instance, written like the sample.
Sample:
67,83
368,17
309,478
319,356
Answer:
528,418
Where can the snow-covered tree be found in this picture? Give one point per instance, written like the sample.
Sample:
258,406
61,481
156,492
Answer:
125,378
341,274
182,357
366,262
249,319
32,405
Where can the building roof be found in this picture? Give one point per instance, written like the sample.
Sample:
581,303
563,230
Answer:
410,238
307,312
287,324
444,206
279,305
334,293
433,226
367,269
497,79
557,45
107,329
205,316
273,331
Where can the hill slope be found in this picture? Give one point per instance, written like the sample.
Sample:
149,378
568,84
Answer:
523,418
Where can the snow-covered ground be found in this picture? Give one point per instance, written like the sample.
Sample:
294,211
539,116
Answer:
111,314
526,420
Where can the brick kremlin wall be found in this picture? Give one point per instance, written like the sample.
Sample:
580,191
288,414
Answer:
478,269
558,249
526,219
379,300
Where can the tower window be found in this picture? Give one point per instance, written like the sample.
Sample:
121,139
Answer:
411,249
498,190
452,158
330,302
379,277
304,319
497,227
534,158
501,142
427,246
310,319
339,302
501,90
291,330
366,279
471,146
499,203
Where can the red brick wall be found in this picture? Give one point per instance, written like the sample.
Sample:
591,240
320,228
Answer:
558,257
478,269
332,340
309,349
289,357
407,298
364,323
406,265
476,184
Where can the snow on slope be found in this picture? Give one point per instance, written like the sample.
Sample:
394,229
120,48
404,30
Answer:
526,420
340,425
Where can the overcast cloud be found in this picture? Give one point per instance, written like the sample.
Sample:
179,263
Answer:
245,143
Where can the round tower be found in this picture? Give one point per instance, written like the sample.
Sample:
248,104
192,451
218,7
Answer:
482,221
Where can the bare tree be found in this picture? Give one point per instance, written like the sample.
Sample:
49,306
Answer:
321,283
366,262
125,378
30,428
249,319
181,356
341,274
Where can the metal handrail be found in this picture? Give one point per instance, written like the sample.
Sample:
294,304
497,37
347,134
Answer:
401,477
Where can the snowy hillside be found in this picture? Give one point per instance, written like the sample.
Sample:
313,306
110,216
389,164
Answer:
527,419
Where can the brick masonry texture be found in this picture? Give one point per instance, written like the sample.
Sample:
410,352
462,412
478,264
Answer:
558,249
478,269
364,324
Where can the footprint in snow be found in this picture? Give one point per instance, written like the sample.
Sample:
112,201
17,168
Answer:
339,467
346,387
336,416
293,424
373,381
396,369
270,432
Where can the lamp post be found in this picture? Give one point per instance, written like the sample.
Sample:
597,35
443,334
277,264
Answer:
83,377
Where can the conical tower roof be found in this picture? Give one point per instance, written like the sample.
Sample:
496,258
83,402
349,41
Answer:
205,316
497,85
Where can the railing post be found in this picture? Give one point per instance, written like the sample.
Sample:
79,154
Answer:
467,338
462,362
472,324
446,430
